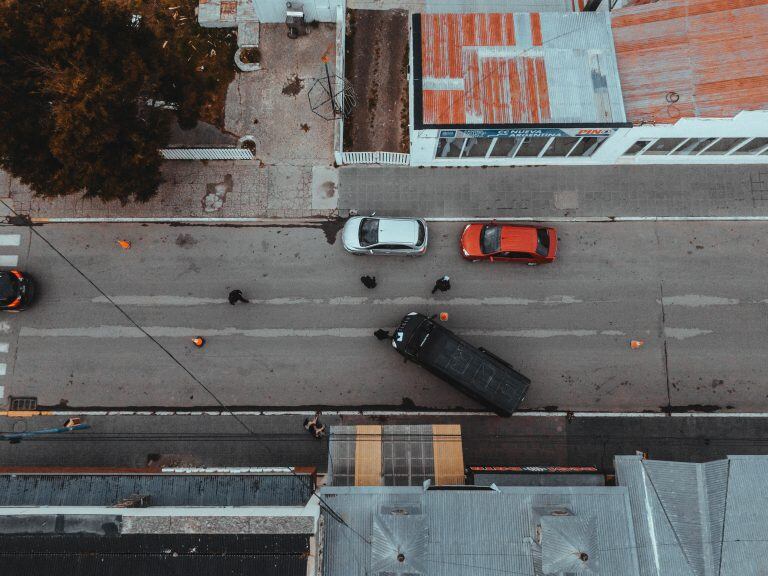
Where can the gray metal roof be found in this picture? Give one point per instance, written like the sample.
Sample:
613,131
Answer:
512,530
163,489
698,519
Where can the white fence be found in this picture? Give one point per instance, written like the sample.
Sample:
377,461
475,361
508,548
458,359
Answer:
207,154
390,158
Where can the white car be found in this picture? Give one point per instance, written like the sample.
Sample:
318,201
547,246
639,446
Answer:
392,236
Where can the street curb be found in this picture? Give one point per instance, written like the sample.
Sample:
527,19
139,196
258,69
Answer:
379,413
320,220
180,220
599,219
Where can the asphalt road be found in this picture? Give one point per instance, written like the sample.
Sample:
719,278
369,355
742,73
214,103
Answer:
212,441
695,293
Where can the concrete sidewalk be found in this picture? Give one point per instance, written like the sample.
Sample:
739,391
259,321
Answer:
547,192
197,189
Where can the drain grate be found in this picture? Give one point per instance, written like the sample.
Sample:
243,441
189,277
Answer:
23,403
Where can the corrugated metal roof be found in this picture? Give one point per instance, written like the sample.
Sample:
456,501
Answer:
698,519
163,489
517,69
692,58
479,532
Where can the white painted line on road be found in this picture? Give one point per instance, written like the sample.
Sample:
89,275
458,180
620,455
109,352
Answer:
166,300
2,369
282,222
9,260
684,333
170,300
183,332
2,391
10,239
184,220
373,413
5,327
598,219
3,347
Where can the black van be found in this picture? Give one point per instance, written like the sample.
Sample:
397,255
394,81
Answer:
475,371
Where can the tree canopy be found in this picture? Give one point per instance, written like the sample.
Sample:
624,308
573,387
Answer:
80,83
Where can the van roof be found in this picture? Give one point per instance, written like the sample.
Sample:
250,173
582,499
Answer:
479,373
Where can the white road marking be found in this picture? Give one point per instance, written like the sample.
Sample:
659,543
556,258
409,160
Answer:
2,369
10,239
698,301
184,332
166,300
9,260
271,221
2,391
169,300
5,327
540,333
436,414
684,333
3,347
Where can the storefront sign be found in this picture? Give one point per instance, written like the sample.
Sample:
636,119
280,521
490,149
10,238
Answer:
526,133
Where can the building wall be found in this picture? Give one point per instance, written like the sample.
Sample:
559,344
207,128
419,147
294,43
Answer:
273,11
739,140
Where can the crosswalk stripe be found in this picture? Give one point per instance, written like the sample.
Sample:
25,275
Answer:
3,347
9,260
10,239
2,391
2,369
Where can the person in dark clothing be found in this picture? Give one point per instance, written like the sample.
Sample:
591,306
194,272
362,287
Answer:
443,284
236,296
368,281
381,334
319,430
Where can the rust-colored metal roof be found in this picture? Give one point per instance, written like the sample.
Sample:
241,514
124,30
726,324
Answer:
692,58
522,68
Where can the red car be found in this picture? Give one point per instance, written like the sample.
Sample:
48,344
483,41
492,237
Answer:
504,243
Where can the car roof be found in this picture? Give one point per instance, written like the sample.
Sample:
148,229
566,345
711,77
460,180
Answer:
398,231
518,239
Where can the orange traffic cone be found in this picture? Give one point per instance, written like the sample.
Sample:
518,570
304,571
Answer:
125,244
635,344
198,341
443,316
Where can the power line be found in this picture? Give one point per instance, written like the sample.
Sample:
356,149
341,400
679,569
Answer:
175,360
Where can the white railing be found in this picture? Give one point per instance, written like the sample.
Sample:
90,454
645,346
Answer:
390,158
207,154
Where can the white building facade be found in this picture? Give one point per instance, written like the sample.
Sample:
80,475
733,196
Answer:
650,84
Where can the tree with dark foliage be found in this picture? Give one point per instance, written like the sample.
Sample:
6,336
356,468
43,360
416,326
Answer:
85,87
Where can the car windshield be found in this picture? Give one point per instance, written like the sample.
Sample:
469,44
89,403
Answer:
542,247
419,338
369,231
490,239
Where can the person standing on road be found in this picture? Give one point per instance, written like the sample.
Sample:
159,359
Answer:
368,281
443,284
236,296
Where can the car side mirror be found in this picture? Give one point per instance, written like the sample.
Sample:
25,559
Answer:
491,258
373,213
370,251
